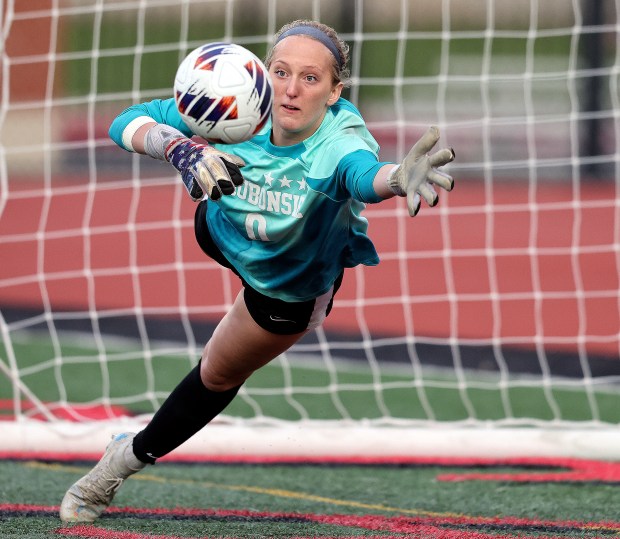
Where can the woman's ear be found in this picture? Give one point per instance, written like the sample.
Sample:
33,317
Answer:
335,94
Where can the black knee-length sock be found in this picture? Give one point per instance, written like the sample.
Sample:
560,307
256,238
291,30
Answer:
187,410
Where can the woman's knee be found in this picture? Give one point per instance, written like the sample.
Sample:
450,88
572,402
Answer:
218,376
220,384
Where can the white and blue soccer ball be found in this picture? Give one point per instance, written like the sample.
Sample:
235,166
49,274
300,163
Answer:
223,92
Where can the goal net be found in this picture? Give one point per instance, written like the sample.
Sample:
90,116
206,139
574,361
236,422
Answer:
492,323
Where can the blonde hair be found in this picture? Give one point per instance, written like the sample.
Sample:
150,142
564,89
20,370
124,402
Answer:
340,69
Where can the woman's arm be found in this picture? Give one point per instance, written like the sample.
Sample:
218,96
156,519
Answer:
138,138
156,129
380,185
133,120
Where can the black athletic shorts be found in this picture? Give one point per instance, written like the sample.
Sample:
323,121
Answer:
273,315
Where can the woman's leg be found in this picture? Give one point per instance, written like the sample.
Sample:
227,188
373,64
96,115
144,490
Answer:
238,347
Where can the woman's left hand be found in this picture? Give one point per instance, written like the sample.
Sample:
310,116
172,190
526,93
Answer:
417,175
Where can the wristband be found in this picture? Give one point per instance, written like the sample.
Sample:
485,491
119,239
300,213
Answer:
131,129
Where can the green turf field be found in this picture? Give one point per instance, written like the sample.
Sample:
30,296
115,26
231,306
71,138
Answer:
138,386
398,499
330,498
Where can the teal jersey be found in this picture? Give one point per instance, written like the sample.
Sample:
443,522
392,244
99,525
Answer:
295,222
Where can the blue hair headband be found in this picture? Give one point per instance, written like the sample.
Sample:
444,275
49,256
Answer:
317,34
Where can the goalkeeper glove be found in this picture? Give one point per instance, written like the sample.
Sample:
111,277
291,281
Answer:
417,174
204,169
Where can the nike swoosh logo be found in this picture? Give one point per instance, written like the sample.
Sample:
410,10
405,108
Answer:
279,319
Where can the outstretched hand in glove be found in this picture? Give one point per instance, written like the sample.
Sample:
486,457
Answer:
204,170
417,175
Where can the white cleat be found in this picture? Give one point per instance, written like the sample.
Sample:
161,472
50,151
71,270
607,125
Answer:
92,494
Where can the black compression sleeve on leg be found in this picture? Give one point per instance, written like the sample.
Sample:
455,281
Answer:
187,410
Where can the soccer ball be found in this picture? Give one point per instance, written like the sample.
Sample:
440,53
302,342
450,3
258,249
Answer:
223,92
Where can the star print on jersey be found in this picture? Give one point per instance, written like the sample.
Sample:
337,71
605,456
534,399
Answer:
282,196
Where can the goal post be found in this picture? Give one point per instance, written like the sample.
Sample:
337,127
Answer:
491,325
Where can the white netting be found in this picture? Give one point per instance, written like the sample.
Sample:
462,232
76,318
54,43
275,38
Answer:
499,307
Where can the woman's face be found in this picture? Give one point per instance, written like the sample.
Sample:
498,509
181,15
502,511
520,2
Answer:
301,71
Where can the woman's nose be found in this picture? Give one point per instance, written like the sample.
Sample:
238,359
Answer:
291,87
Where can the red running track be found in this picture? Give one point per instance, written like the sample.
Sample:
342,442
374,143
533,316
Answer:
503,262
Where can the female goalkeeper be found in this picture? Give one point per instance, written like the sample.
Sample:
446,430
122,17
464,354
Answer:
287,225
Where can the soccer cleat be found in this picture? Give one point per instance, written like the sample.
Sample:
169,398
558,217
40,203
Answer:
92,494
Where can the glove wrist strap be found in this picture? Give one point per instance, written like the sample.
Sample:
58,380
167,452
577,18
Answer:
158,139
393,183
